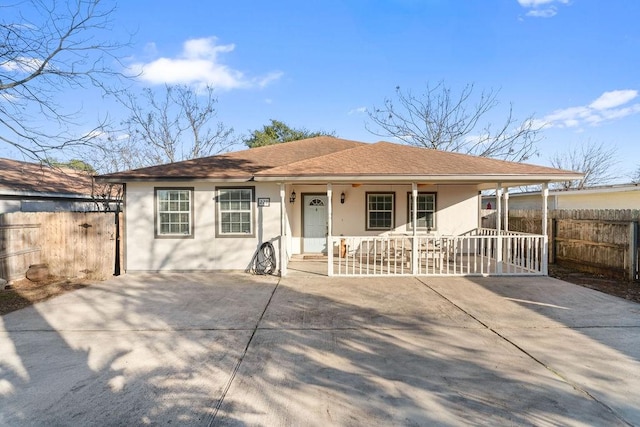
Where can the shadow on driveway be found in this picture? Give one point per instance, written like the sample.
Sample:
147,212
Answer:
232,349
391,352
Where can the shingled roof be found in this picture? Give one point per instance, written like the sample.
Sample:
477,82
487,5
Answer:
21,178
326,159
238,165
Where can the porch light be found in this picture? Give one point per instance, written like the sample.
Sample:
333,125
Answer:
292,198
342,198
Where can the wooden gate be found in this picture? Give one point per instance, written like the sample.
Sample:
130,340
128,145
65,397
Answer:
72,244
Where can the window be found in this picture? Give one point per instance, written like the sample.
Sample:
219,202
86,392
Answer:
380,208
426,210
235,211
174,212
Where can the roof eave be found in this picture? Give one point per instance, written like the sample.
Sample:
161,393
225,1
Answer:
478,179
123,180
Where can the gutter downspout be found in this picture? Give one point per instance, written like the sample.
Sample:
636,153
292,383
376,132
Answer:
283,227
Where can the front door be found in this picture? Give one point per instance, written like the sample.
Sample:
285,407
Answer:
315,224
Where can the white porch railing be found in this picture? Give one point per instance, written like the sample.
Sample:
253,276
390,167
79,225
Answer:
479,253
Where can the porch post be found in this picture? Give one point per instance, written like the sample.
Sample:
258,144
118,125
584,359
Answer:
414,221
283,230
506,209
329,229
544,266
499,228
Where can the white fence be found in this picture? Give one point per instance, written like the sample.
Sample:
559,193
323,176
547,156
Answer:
479,253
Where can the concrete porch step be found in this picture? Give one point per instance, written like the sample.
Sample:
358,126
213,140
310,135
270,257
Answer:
307,257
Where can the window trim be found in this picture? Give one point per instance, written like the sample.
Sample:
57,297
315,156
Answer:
219,233
156,211
435,210
393,209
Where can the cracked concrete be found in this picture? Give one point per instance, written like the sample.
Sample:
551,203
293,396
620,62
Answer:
232,349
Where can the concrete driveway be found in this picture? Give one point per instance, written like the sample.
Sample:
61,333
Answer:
233,349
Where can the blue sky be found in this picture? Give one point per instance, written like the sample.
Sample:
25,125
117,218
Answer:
573,64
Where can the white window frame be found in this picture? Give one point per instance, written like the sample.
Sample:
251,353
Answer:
160,211
249,210
392,211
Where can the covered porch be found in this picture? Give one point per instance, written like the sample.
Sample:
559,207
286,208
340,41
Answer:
391,209
417,252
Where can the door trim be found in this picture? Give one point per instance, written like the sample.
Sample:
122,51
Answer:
302,206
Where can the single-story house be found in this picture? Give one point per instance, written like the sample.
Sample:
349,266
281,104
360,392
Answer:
379,208
33,187
617,196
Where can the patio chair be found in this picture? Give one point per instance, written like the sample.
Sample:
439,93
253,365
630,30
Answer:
398,251
372,250
432,249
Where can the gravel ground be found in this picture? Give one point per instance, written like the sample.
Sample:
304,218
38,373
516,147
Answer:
620,288
22,293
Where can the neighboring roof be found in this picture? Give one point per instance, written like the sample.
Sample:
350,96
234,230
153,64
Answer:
22,178
596,189
328,159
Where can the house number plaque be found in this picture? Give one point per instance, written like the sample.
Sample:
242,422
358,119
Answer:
264,202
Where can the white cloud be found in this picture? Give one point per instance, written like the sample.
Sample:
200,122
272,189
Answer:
538,3
541,8
4,96
199,64
607,107
271,77
22,64
359,110
543,13
614,98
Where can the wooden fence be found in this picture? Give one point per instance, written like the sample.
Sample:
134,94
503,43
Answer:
72,244
598,241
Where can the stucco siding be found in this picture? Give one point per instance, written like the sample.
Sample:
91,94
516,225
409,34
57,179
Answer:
456,209
618,200
456,213
202,251
612,199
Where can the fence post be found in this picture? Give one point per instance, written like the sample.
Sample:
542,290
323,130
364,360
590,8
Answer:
116,267
553,233
633,250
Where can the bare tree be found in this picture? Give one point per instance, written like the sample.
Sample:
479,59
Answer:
166,127
47,47
440,120
635,178
596,161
